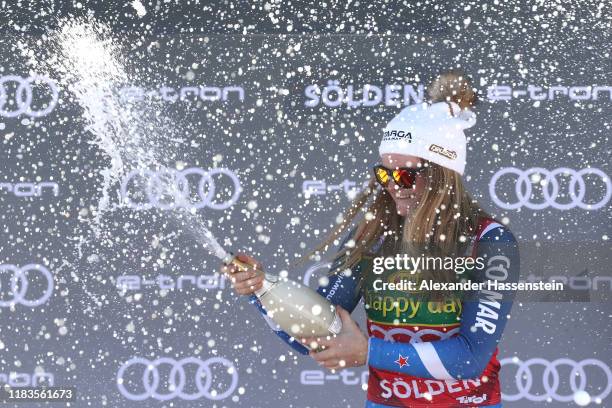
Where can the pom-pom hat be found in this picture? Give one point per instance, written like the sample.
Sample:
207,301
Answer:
433,132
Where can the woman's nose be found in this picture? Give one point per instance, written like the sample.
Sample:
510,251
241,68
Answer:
392,186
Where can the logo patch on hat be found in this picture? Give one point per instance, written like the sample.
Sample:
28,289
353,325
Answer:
397,135
449,154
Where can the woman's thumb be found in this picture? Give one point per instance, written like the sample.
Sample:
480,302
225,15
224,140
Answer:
344,315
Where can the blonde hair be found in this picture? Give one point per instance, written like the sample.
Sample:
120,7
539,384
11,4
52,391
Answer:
445,214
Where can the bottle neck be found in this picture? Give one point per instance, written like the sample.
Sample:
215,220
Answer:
268,282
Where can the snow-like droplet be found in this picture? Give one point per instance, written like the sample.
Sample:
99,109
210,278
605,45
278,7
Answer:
139,8
582,398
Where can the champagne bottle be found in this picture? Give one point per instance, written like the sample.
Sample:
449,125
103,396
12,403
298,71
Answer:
297,309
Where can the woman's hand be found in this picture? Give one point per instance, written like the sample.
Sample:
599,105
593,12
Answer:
247,281
348,349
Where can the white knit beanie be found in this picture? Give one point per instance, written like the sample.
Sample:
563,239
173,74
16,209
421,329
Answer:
433,132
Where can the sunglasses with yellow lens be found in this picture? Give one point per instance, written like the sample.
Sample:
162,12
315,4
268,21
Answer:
404,177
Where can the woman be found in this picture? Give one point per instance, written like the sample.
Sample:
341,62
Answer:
425,348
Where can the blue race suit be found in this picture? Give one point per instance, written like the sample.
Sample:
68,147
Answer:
432,354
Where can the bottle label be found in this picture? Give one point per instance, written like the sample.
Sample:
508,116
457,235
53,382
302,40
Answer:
271,278
336,325
269,282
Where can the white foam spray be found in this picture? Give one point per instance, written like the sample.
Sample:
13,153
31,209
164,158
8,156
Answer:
91,67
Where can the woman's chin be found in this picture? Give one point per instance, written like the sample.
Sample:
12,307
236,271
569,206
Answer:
402,206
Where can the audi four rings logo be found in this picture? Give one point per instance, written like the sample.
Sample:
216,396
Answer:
177,378
174,183
20,282
24,96
550,381
523,188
